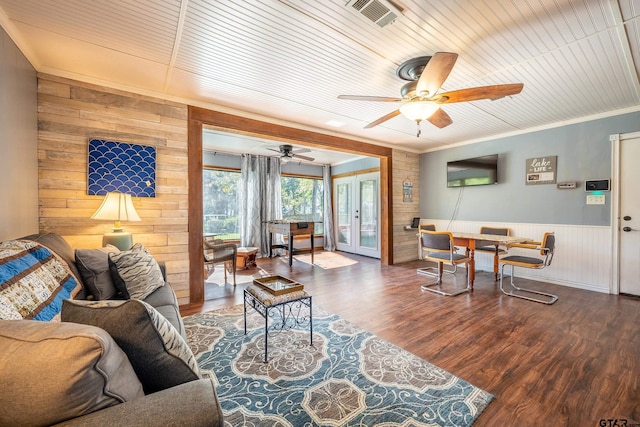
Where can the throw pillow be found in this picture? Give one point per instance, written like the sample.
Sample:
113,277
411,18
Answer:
33,281
135,272
93,265
157,351
56,371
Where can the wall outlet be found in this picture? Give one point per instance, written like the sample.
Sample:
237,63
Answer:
595,200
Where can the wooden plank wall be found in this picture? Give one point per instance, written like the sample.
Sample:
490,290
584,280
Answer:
405,166
69,114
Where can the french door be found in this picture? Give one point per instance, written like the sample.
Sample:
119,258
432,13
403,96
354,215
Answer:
357,220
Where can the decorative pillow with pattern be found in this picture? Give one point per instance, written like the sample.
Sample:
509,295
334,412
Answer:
33,281
159,355
135,272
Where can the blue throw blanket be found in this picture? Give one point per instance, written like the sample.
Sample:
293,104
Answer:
33,281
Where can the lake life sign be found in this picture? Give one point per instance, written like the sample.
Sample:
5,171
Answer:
541,170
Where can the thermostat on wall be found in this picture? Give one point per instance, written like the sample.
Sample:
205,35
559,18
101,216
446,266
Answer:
597,185
566,185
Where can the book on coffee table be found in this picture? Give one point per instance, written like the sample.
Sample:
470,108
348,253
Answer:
278,285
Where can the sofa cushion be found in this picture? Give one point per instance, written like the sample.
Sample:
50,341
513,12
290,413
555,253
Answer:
157,351
93,265
135,272
33,281
165,302
55,371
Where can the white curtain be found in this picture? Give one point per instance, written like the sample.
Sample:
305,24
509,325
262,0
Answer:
329,241
260,200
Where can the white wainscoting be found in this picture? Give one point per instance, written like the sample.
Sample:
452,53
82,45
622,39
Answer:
582,256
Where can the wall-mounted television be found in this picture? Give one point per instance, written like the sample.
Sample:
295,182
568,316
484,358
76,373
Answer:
475,171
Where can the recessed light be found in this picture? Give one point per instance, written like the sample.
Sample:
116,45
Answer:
335,123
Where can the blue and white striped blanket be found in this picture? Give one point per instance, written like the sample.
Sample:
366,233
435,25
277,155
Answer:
33,281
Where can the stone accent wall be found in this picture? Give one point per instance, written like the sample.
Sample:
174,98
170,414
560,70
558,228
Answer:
70,113
405,166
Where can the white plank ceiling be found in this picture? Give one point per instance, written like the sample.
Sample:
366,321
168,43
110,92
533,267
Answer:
287,61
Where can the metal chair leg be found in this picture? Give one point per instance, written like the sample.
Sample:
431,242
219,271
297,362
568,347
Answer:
551,300
438,282
427,271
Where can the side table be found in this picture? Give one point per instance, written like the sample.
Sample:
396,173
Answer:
246,257
287,311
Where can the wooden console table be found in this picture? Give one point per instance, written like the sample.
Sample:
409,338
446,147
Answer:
290,229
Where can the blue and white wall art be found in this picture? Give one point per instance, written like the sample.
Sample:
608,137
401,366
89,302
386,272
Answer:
117,166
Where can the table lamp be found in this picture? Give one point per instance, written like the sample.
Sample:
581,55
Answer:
117,207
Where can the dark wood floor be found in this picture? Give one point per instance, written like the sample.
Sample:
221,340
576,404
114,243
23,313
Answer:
573,363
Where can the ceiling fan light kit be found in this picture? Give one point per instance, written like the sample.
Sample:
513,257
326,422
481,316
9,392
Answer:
418,110
420,97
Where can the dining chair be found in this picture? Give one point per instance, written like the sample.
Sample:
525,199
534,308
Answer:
429,270
216,252
546,249
427,227
438,247
492,248
496,232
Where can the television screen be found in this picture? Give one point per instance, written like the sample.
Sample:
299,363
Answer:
476,171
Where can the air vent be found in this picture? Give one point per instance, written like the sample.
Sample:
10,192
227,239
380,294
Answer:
380,12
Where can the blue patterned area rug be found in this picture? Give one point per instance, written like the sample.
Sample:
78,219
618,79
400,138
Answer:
349,377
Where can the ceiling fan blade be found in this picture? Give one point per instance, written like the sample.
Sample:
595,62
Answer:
300,156
273,149
383,119
477,93
370,98
440,119
301,150
435,73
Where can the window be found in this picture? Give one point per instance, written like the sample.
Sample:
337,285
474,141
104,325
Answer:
303,200
220,203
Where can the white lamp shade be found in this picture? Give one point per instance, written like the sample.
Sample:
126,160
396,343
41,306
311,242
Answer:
418,110
117,207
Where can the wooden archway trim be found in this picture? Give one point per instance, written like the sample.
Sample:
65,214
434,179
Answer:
199,117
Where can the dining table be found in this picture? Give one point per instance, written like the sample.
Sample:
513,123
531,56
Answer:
472,240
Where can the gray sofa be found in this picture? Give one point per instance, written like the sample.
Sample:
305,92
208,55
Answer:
191,403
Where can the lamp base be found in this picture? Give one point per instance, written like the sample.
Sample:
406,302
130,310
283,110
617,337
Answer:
121,240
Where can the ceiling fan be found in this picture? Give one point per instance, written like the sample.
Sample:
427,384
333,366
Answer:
420,97
287,153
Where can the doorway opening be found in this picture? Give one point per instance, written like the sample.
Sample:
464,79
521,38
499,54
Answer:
198,117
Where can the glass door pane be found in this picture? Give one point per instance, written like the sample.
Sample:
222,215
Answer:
343,205
368,214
